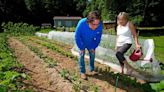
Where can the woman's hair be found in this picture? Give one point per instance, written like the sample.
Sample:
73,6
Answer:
93,15
124,14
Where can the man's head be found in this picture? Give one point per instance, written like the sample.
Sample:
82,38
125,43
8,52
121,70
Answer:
93,19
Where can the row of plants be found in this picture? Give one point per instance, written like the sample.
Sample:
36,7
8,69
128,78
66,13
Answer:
77,83
52,42
11,72
16,29
71,77
51,63
125,80
57,48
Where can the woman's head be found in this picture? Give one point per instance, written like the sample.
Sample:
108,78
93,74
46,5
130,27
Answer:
122,18
93,19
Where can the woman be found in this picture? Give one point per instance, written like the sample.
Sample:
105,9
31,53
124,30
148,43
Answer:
125,31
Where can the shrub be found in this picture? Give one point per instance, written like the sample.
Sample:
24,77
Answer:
17,29
137,20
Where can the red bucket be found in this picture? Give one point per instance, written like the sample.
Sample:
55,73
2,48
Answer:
135,55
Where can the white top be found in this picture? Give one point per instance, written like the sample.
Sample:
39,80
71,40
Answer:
124,35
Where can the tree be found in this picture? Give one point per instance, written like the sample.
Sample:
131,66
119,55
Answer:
99,5
142,12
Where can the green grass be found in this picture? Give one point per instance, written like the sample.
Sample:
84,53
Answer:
159,46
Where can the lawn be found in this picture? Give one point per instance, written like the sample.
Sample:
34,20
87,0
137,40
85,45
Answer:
159,46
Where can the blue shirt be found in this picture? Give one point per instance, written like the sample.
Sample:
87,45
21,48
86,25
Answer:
85,37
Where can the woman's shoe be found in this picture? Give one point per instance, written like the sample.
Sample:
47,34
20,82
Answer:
129,72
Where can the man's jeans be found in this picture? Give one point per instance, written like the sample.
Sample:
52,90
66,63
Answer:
82,61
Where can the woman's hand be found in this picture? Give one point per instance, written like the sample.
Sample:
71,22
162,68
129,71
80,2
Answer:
115,49
138,46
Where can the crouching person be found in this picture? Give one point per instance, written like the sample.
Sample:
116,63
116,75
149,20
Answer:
87,36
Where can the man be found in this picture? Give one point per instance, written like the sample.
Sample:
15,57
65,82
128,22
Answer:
87,36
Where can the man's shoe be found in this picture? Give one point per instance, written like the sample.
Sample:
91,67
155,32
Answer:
83,76
94,73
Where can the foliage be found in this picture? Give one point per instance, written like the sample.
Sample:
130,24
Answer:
158,87
99,5
17,29
45,30
39,11
10,78
137,20
142,12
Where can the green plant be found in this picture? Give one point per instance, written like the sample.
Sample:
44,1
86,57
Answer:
51,62
158,87
45,30
137,20
16,29
10,77
94,88
64,73
77,86
74,77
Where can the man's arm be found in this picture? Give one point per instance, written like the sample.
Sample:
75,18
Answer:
78,39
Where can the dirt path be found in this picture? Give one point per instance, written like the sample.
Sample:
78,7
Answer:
43,79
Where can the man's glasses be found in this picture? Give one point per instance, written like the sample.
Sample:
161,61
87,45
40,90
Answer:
95,24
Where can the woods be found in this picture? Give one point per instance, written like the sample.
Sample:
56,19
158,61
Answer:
142,12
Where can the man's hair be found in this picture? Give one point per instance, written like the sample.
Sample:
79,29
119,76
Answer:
93,15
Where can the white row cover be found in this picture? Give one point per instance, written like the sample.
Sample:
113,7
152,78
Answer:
105,53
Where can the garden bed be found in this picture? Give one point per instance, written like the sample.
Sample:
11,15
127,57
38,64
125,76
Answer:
106,80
